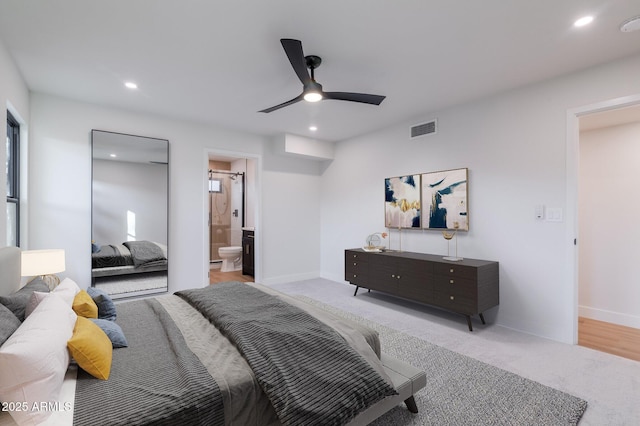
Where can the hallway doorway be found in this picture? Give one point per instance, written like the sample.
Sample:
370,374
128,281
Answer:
609,167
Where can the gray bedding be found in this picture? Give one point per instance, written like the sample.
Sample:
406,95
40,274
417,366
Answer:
156,380
138,369
110,256
145,253
307,370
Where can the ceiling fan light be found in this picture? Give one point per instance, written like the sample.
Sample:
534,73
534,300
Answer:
313,96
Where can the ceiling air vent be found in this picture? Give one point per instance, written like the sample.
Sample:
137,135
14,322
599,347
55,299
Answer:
424,129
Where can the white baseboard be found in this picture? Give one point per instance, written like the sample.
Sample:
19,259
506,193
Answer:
609,316
332,277
290,278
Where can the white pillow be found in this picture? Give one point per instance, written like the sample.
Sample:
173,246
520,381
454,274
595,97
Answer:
67,290
33,361
34,300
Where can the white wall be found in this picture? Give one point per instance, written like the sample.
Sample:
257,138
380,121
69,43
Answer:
14,96
609,229
292,189
120,187
60,172
514,145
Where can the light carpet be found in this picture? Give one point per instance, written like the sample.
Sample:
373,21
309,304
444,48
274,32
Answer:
133,283
464,391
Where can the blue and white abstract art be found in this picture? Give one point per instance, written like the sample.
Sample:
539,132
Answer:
402,202
444,196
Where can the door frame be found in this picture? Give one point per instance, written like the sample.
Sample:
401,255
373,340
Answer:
257,208
573,169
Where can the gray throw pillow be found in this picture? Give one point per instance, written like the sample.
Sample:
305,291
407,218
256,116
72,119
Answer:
113,331
17,302
8,323
106,307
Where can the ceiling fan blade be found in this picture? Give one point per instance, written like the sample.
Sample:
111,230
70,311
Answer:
284,104
293,49
355,97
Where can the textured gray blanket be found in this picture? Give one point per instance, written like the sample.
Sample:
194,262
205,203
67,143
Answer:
157,380
110,256
307,370
145,253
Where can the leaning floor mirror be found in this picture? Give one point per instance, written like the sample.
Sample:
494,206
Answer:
129,204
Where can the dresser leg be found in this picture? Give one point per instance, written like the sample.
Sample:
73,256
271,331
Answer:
482,317
356,292
469,322
411,404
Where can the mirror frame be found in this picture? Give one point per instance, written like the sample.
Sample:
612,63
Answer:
129,145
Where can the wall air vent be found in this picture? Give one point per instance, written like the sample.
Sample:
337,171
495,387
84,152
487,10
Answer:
427,128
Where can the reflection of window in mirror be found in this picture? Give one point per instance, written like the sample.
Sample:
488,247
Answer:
215,185
131,226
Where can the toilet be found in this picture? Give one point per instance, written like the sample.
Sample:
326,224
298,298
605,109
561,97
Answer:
231,258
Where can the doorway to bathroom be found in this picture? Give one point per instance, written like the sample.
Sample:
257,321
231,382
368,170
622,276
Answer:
231,183
226,212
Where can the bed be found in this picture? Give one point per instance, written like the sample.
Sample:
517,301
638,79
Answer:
196,357
130,257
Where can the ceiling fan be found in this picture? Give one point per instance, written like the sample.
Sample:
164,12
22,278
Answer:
312,90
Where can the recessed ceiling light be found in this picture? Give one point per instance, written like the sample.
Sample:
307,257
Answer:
313,128
585,20
629,25
131,85
112,155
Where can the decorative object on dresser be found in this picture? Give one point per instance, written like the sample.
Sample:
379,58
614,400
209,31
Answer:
444,197
43,263
449,235
468,287
374,242
402,202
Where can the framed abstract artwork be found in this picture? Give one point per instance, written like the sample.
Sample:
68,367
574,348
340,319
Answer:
402,202
445,200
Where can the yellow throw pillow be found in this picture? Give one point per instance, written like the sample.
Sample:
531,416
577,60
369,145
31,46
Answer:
91,348
84,305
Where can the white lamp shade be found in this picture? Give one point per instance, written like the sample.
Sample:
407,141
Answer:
42,262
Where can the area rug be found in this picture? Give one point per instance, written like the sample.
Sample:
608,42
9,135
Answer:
464,391
114,286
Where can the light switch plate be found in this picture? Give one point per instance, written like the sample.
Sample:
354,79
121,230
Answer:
554,214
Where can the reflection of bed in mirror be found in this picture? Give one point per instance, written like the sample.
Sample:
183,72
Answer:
130,257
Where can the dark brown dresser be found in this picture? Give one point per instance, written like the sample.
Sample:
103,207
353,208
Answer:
468,287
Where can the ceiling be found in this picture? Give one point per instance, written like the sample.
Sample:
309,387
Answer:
220,62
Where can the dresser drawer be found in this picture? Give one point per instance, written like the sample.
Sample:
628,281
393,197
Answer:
459,285
458,302
456,271
356,266
355,256
357,277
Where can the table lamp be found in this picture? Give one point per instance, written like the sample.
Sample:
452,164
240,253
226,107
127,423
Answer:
43,263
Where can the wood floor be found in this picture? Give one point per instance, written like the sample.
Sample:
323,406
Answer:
610,338
215,276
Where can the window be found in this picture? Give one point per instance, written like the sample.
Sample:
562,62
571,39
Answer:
215,185
13,181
